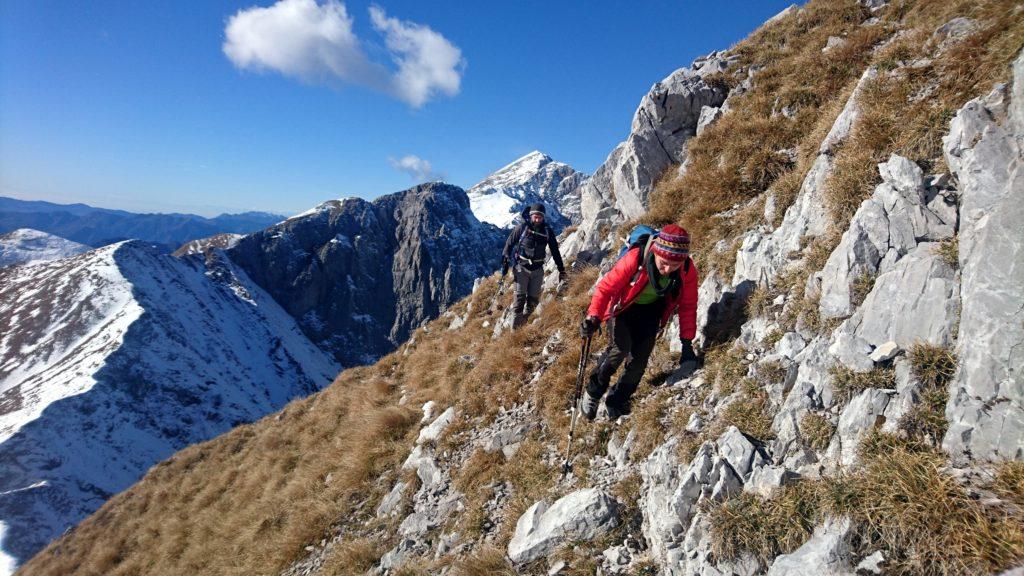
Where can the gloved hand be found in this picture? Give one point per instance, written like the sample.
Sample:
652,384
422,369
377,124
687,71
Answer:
687,359
590,325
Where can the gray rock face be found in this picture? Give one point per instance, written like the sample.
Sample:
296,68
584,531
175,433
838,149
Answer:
671,521
917,300
766,480
827,553
922,294
764,252
883,230
432,432
581,515
389,504
955,30
359,276
986,399
863,414
667,117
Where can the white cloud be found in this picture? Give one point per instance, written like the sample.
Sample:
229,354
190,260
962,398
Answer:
316,43
416,167
427,62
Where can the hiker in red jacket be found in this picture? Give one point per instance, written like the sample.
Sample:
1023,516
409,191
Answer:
636,309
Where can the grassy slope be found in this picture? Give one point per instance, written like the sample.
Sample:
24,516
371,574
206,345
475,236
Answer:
249,501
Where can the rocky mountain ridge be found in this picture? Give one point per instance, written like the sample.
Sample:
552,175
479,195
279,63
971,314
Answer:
359,275
843,421
113,360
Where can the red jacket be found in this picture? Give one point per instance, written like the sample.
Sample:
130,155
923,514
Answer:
614,294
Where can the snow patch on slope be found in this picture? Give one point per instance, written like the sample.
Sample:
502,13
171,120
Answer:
113,360
25,245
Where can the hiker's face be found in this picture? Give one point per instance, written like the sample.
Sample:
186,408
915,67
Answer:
536,218
665,267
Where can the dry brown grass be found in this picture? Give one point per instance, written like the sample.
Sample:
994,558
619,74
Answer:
949,251
816,431
907,109
752,413
740,156
933,366
487,561
724,368
862,286
1009,481
900,502
353,557
765,528
847,384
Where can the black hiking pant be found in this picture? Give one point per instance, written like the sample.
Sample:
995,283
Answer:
633,334
528,288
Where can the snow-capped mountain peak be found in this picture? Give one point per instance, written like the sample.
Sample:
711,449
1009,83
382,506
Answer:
26,245
535,177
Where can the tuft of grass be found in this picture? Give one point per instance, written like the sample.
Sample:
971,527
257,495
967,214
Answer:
847,384
899,501
949,251
933,366
724,368
486,561
764,527
772,372
752,413
816,430
1009,481
862,285
927,522
760,300
353,557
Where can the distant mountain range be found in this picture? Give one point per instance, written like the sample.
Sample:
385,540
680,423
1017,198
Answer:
113,359
101,226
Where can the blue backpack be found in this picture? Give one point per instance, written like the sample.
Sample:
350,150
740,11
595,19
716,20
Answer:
638,237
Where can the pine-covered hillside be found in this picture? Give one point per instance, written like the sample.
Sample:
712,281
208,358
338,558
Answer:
851,175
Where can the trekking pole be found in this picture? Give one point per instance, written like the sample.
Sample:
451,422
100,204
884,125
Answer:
584,357
497,295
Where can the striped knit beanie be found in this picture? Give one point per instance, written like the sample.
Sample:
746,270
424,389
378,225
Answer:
672,243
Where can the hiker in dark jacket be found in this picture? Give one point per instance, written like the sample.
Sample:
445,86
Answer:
638,297
525,252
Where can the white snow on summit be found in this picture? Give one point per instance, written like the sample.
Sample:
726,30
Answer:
25,245
500,197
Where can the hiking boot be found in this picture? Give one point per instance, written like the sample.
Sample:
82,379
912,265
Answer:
617,410
588,406
518,320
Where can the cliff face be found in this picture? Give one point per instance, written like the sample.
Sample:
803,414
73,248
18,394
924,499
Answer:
853,200
360,275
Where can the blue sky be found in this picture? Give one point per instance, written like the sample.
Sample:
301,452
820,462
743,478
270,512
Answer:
137,105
